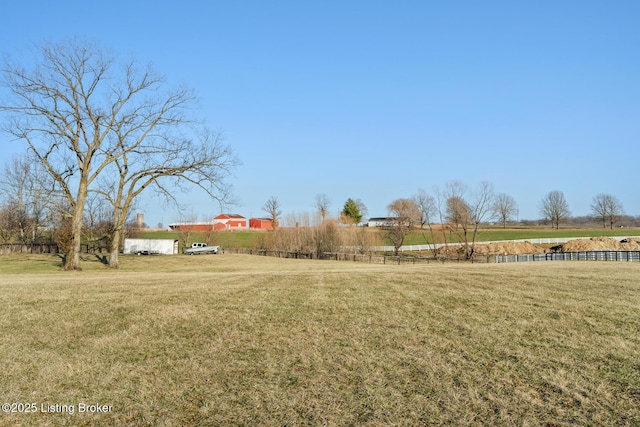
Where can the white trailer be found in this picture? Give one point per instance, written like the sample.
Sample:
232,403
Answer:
150,246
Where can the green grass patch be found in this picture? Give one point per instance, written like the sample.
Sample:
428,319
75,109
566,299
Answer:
421,237
241,340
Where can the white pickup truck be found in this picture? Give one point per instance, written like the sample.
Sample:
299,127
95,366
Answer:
201,248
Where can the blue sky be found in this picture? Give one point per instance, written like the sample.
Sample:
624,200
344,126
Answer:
374,100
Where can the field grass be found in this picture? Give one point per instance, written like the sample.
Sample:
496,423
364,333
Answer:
241,340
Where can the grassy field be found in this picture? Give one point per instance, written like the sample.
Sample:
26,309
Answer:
240,340
248,239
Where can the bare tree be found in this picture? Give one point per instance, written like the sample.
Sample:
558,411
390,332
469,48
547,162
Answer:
5,224
272,208
296,219
554,208
458,211
481,203
360,239
504,207
79,112
31,194
428,213
466,211
14,222
14,184
406,214
55,115
98,220
327,237
322,205
440,202
426,205
608,208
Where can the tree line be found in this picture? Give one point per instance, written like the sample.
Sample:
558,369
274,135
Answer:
454,212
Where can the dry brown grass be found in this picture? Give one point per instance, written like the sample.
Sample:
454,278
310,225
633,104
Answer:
241,340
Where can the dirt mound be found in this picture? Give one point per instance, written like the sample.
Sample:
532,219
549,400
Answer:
600,243
496,248
509,248
630,244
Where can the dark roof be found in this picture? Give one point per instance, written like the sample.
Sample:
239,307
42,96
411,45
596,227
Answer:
231,216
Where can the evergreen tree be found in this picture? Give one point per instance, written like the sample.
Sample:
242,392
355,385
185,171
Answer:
351,211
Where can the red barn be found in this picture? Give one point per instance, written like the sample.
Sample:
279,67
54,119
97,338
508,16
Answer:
261,223
229,222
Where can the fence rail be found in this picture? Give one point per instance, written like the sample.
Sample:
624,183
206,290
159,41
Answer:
35,248
368,258
573,256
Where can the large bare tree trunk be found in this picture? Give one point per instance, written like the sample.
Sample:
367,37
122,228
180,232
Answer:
114,251
72,258
119,218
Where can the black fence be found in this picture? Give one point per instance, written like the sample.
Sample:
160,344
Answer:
368,258
573,256
405,259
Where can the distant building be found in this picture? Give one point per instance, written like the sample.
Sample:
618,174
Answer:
229,222
261,223
382,222
191,226
140,221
